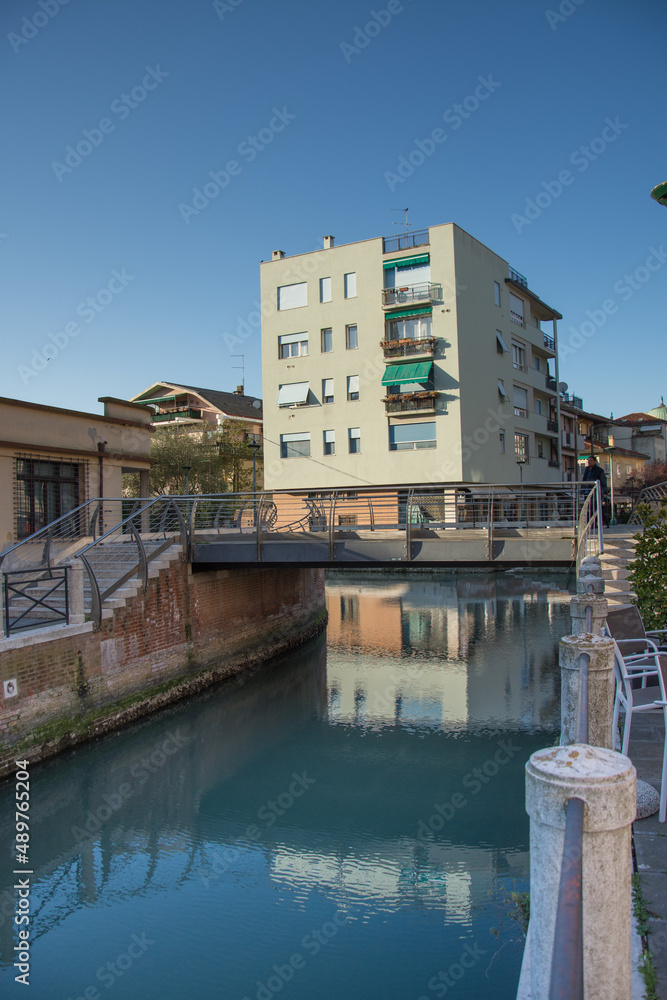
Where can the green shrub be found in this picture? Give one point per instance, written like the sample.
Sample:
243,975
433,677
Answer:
648,574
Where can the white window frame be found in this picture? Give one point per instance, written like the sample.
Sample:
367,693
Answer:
325,289
350,285
352,388
329,442
323,331
296,344
294,438
352,436
327,397
348,337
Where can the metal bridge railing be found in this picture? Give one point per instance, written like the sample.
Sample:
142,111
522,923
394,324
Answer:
590,541
654,496
35,599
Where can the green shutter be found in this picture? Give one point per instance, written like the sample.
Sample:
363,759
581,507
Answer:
418,371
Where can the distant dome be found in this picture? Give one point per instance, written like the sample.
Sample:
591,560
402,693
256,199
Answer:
659,411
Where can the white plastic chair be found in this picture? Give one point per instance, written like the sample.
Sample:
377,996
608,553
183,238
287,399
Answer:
650,697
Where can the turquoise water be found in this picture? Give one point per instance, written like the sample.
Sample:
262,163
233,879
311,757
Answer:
345,824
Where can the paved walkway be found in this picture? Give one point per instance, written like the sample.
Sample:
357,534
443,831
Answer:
650,840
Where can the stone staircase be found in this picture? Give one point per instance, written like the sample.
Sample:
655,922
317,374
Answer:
619,549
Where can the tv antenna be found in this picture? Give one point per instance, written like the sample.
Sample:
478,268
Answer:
407,224
242,367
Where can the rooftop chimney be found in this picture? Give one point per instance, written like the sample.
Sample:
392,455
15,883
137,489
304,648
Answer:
277,254
328,242
238,391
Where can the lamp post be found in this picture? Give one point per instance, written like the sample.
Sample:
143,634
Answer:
610,450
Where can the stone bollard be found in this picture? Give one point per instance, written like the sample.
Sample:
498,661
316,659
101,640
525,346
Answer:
591,565
75,592
600,651
579,606
590,585
606,782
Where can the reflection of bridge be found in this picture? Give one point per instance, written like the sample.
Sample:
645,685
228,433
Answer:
443,525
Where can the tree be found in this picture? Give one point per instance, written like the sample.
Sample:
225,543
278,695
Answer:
649,567
220,461
651,474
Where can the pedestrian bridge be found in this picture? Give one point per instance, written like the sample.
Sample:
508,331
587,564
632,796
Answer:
439,525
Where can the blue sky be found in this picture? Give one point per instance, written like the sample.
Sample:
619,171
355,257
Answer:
101,261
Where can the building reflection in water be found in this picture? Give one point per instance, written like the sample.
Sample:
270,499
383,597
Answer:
423,677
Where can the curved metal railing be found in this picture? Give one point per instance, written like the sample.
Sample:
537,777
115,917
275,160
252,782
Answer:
654,496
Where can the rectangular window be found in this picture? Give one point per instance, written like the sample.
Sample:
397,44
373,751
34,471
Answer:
354,440
410,437
409,328
537,364
295,445
516,310
496,293
501,436
521,447
293,345
353,387
327,340
351,285
45,491
518,356
293,394
329,442
618,470
325,289
520,402
327,390
501,346
292,296
628,469
351,338
538,406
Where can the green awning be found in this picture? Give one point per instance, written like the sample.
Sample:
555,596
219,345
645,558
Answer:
402,313
418,371
406,262
158,399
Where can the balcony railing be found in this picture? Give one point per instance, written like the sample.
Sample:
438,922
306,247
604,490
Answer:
554,463
519,411
424,292
552,425
409,402
180,413
405,347
577,401
551,383
517,318
549,342
518,278
405,242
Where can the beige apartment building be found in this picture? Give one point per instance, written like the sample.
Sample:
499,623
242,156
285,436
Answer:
422,358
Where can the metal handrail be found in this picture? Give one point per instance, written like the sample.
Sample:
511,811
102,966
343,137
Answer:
589,525
656,494
567,960
50,528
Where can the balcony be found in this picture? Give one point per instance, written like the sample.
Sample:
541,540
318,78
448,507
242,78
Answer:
551,383
180,413
549,342
427,291
518,278
405,348
552,426
576,401
405,242
554,463
517,318
519,411
411,402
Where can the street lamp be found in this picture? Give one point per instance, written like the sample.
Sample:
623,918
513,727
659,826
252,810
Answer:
659,193
610,450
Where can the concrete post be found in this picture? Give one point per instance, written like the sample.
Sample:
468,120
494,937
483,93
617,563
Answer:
606,782
590,584
591,565
75,596
579,606
600,651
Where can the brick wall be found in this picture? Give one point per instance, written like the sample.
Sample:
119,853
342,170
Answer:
188,630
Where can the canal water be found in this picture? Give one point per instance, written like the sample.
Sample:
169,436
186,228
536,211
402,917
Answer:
348,823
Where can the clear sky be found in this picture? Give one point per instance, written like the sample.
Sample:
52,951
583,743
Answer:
109,260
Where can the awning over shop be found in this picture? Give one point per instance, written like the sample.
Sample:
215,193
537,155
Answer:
418,371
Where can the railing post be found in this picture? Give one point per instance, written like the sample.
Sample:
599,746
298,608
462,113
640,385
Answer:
77,614
257,511
408,527
605,781
490,529
588,613
600,653
332,510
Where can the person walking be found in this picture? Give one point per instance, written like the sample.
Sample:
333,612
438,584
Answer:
594,472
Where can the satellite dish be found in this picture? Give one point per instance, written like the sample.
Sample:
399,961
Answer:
562,386
257,403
